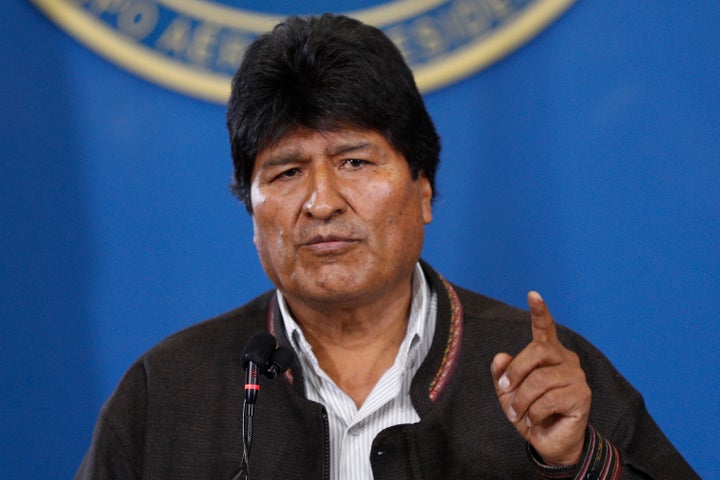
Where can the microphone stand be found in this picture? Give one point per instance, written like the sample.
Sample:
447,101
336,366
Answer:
244,472
251,394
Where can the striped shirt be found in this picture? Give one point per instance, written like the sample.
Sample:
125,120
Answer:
353,430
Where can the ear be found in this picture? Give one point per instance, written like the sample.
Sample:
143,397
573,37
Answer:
426,193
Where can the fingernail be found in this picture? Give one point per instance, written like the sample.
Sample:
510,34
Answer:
528,422
512,415
537,295
504,382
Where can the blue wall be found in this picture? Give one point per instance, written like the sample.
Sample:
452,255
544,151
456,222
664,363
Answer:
584,165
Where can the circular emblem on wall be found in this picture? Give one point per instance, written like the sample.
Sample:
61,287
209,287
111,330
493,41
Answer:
194,46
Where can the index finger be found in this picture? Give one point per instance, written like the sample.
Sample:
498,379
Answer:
543,325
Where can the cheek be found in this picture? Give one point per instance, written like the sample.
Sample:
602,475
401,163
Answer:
272,251
258,235
398,215
269,236
257,197
380,199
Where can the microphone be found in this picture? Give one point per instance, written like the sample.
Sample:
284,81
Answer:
255,358
261,355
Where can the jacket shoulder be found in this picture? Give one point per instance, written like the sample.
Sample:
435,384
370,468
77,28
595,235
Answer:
221,336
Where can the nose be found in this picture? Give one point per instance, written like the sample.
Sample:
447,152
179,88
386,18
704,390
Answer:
324,199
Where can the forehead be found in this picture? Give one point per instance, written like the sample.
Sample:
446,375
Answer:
306,138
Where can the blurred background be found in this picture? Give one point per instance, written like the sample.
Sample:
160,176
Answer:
584,163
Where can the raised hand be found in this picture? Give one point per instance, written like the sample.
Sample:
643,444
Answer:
543,391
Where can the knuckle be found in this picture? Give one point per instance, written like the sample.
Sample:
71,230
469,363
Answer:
537,350
549,401
573,357
510,373
577,375
586,394
540,378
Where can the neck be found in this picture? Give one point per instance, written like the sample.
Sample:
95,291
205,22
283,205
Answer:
355,346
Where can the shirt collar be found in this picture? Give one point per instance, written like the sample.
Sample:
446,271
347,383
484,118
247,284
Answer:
419,306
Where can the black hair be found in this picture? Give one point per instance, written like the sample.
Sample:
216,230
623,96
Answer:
325,73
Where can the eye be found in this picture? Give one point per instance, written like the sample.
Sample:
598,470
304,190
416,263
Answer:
355,163
289,173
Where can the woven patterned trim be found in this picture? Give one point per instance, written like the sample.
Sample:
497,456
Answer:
603,461
600,461
271,328
452,348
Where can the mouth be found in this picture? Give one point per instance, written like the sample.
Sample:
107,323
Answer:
329,244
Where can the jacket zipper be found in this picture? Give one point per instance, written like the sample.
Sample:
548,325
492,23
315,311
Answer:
326,431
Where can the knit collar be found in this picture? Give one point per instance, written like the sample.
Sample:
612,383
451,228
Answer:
439,365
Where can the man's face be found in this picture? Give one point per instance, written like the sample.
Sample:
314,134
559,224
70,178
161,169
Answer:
338,219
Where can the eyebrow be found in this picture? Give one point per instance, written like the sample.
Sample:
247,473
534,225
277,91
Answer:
293,156
283,158
349,147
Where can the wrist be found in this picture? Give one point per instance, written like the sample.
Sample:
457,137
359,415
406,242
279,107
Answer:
599,458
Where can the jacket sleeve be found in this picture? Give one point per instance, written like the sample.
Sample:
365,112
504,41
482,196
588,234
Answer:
116,449
644,449
601,460
623,441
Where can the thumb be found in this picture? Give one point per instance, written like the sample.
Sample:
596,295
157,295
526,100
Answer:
498,367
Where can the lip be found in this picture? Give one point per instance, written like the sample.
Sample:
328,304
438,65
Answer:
329,243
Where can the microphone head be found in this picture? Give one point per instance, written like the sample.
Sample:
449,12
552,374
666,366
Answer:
258,350
280,360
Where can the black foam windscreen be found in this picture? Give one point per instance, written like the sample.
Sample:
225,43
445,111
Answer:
258,350
280,360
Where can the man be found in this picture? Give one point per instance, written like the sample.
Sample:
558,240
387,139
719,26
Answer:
399,374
